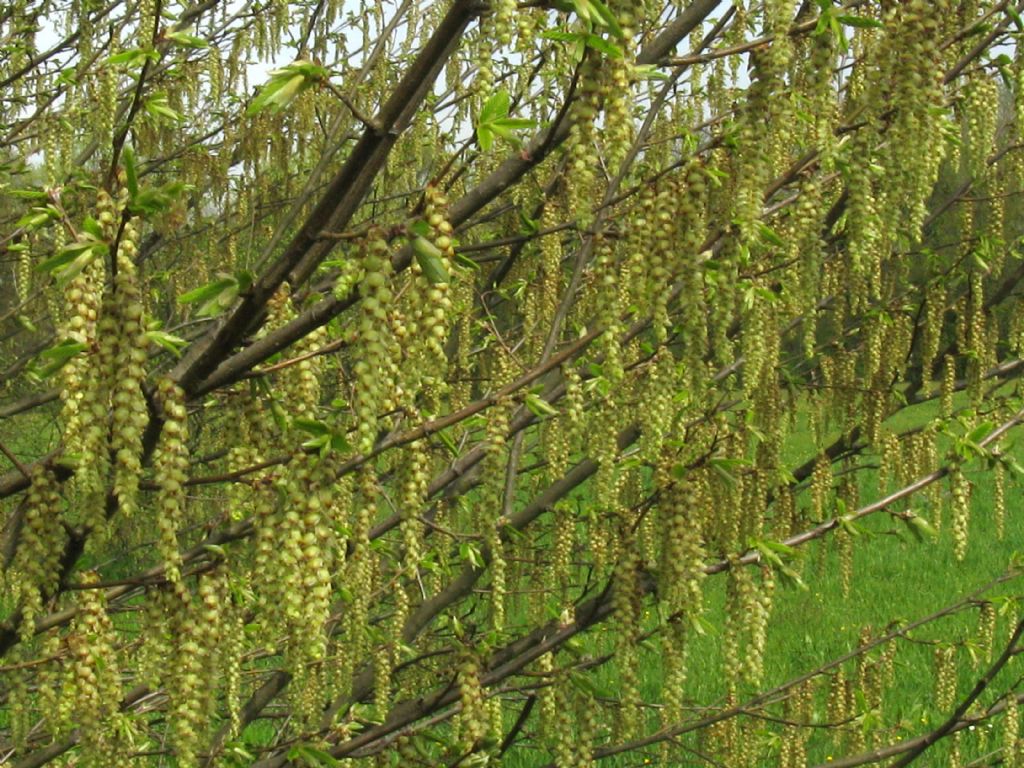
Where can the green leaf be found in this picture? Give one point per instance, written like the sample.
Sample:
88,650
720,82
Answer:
135,57
130,171
158,106
981,431
861,22
769,236
792,579
494,121
157,199
484,137
505,127
64,256
448,442
725,468
206,292
529,226
649,72
429,257
26,194
495,107
187,40
92,228
216,296
37,217
471,554
309,756
56,357
1015,17
539,406
603,45
285,85
170,342
420,227
598,14
920,527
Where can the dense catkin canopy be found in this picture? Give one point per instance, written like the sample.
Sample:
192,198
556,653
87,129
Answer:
392,382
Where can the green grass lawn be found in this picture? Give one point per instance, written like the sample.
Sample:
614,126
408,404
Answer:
896,577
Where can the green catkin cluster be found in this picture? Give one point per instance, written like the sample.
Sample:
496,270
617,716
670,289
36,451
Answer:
987,628
246,437
999,499
551,252
911,59
431,310
739,589
580,149
682,574
836,708
945,678
948,386
483,84
36,564
170,460
414,493
799,710
610,294
981,116
374,365
657,416
626,609
572,729
92,688
84,389
976,346
299,387
491,519
300,559
504,21
683,553
821,486
359,572
473,720
607,485
197,625
691,228
618,74
931,331
759,608
664,236
1011,743
19,700
960,506
129,414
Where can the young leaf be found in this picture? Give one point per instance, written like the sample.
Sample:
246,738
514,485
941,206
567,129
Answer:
170,342
539,406
861,22
187,40
130,171
428,256
134,58
56,357
158,106
65,256
206,292
495,107
284,85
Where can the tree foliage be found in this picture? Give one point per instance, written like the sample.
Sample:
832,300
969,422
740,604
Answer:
364,362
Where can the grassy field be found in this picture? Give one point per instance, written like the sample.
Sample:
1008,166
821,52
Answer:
896,577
